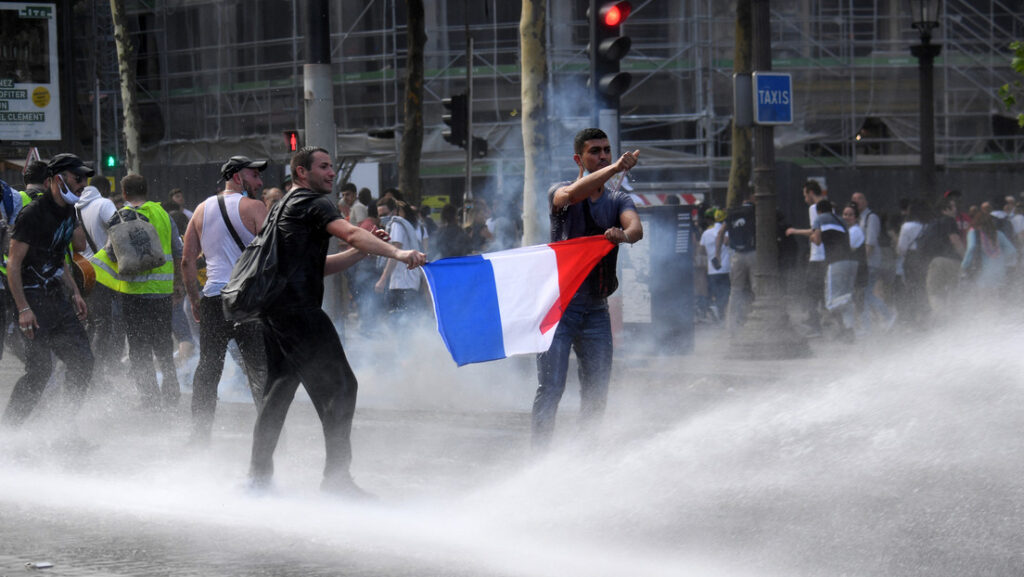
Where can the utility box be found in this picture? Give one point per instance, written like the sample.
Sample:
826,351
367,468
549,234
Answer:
656,282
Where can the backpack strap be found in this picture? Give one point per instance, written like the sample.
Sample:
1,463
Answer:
227,221
88,237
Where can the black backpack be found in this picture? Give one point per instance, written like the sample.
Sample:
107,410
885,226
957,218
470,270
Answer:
742,222
930,243
256,278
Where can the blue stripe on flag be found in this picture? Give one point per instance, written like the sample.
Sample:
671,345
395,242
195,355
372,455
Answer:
466,305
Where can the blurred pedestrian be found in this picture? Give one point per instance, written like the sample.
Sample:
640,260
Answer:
874,239
815,274
988,258
452,240
739,231
401,284
718,266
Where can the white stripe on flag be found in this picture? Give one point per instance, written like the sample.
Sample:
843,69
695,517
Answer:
526,280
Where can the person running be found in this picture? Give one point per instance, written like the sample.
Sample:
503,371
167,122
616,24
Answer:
302,343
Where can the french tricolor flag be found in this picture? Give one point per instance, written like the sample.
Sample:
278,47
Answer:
495,305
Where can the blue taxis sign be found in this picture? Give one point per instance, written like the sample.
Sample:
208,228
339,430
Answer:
773,98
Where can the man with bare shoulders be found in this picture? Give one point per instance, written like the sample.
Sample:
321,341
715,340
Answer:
220,228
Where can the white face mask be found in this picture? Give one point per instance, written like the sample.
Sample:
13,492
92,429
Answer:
65,192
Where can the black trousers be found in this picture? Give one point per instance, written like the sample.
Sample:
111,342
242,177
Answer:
814,287
302,345
214,334
105,330
59,333
148,326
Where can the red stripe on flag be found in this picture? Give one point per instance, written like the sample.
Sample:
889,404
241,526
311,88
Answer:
576,257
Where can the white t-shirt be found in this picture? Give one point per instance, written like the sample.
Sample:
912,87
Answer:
1017,220
403,233
856,236
817,250
707,240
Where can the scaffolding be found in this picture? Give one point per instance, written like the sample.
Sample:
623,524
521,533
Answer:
221,77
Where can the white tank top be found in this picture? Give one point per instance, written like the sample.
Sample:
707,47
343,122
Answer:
219,248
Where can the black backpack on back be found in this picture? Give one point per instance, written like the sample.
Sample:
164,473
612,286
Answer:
256,278
741,221
930,242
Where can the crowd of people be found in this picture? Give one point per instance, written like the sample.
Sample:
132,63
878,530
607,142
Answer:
73,293
867,271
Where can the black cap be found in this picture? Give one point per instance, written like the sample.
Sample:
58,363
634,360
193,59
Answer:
67,161
236,163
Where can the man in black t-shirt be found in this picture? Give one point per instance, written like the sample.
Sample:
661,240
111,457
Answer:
302,344
39,279
943,276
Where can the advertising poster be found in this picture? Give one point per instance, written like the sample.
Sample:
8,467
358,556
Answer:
29,90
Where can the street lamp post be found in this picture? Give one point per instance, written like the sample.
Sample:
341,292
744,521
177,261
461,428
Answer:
925,19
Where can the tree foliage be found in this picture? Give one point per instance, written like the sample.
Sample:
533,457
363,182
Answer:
1009,92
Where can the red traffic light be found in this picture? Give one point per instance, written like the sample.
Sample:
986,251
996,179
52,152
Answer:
615,13
291,139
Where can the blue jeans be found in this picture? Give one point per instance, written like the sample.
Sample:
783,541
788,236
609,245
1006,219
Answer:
871,301
586,328
718,288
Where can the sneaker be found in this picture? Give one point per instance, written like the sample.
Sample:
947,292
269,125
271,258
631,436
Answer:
344,486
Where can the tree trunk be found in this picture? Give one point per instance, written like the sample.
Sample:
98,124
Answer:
742,148
126,65
532,30
412,135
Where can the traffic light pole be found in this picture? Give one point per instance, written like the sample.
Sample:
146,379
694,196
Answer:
318,86
468,195
608,121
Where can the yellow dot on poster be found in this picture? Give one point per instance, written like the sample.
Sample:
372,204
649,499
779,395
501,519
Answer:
41,97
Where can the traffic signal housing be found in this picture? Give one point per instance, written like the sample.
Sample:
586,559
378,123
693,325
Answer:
293,140
457,119
480,147
607,48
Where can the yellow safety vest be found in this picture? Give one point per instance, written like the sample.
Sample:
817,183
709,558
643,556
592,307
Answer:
27,198
159,280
